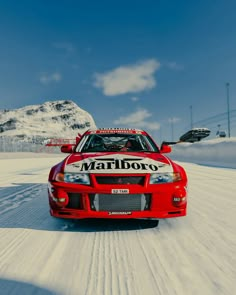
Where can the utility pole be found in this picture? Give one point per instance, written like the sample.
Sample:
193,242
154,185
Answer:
228,108
191,117
160,130
171,120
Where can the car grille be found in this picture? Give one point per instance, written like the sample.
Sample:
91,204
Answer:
120,202
120,180
74,201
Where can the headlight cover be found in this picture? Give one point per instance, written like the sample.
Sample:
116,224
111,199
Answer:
78,178
156,178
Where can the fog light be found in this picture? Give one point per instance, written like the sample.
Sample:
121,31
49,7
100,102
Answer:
175,199
60,197
179,198
61,200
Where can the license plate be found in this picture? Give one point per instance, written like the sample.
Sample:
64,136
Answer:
120,191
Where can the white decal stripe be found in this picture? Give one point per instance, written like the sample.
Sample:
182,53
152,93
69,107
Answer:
118,164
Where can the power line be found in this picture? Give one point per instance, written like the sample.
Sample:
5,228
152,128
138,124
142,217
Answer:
213,121
215,118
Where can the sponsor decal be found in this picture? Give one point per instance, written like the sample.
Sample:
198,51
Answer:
112,131
120,191
118,164
119,213
116,130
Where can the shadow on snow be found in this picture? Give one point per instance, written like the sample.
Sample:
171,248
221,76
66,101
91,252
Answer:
25,205
13,287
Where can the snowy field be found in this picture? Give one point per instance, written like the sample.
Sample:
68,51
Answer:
192,255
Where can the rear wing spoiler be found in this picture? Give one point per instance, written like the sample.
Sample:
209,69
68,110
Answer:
193,135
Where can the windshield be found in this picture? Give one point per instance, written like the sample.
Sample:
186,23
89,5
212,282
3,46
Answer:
116,143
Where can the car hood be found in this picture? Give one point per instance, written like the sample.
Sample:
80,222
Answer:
117,163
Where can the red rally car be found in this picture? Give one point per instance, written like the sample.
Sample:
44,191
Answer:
117,173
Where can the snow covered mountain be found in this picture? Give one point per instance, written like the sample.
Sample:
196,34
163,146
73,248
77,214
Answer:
61,118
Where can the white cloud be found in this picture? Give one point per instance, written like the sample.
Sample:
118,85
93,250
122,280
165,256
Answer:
49,78
128,79
134,98
138,120
174,66
148,125
135,117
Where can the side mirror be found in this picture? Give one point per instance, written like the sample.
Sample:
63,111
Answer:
67,148
165,149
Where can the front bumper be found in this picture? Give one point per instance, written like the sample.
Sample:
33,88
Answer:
79,201
81,214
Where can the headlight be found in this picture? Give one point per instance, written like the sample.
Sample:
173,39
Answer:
78,178
164,177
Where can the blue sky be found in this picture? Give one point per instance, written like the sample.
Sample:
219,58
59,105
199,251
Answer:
129,63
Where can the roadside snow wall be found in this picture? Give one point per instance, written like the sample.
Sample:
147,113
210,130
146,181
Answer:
216,152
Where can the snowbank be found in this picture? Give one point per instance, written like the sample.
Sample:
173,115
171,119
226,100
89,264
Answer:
215,152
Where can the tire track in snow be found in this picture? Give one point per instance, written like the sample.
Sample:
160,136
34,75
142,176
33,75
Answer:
161,253
32,213
12,243
14,200
104,265
154,287
92,282
110,277
120,263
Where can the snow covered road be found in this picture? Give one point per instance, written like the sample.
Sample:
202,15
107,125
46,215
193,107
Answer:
190,255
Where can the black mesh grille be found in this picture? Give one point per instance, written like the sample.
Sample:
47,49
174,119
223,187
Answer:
120,180
74,201
120,202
